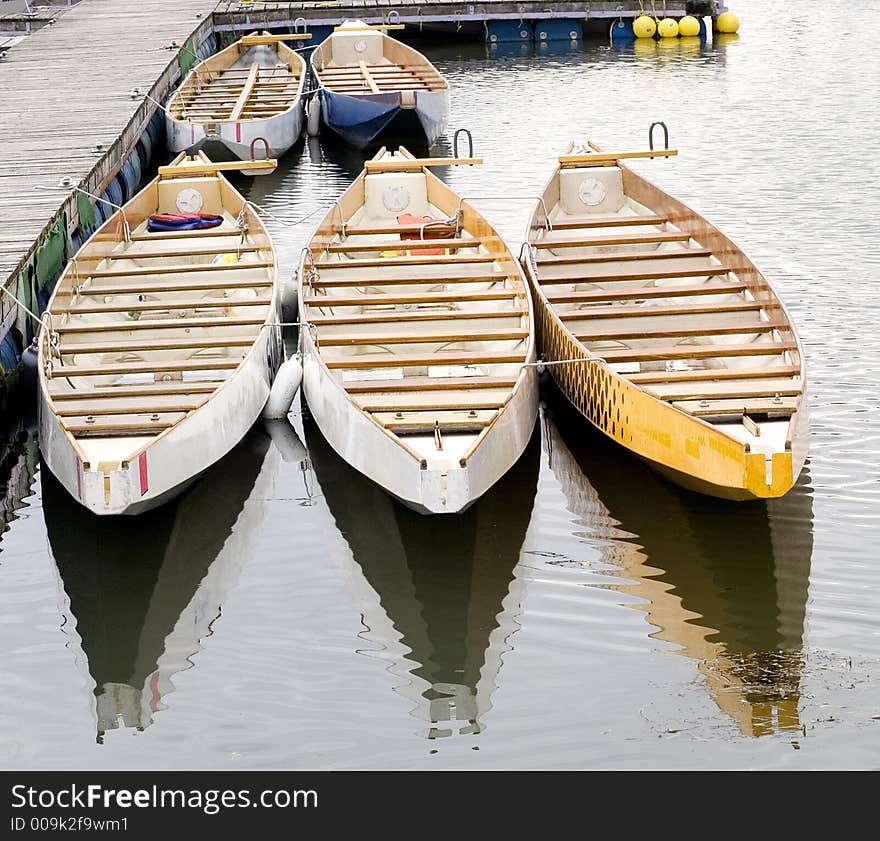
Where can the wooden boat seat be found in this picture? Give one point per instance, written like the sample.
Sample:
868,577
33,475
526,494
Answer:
431,402
735,390
153,367
146,287
190,268
372,230
713,374
432,280
398,316
398,245
132,424
647,293
696,351
83,306
420,423
162,253
158,324
431,298
625,257
411,360
611,239
60,395
342,340
711,408
408,384
414,260
657,311
653,274
128,405
705,328
226,230
585,222
151,343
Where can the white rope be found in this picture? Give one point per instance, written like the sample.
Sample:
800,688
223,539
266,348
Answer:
281,221
549,363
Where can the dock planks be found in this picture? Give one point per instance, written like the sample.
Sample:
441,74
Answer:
65,89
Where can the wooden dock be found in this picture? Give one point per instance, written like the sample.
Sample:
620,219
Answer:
239,15
64,90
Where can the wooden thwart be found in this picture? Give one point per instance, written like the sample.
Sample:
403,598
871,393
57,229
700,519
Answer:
501,334
158,324
624,257
614,239
414,315
404,360
137,271
104,369
83,306
152,343
141,423
378,299
408,164
713,374
753,406
187,170
646,293
408,384
609,222
433,280
653,274
414,260
254,40
706,328
659,311
397,245
155,389
603,158
696,352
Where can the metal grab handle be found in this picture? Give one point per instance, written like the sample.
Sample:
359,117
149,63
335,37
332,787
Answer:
265,144
651,135
470,138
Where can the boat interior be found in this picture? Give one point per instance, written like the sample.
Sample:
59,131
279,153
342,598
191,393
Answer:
145,326
360,60
678,311
418,309
242,82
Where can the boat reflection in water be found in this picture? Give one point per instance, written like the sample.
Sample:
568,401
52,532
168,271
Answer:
19,455
145,590
440,582
727,582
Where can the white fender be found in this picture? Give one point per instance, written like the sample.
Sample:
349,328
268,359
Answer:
286,440
284,389
313,116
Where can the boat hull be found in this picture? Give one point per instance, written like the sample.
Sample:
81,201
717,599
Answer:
242,140
448,489
172,461
686,450
359,120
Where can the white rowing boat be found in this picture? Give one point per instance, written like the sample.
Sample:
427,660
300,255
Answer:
418,337
157,350
244,101
690,359
371,85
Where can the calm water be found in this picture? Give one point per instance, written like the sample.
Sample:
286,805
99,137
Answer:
285,613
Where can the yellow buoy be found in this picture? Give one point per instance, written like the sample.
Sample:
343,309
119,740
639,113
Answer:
644,27
668,28
727,23
688,26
